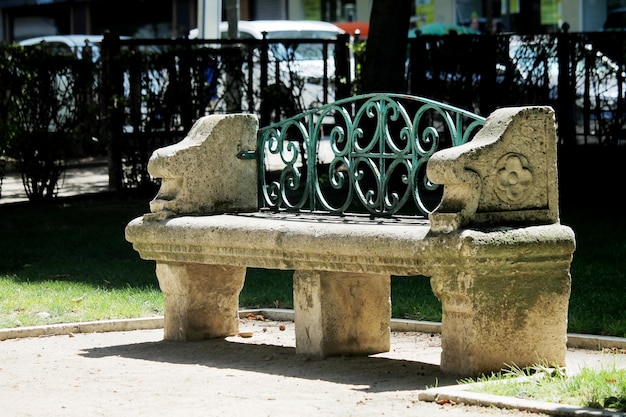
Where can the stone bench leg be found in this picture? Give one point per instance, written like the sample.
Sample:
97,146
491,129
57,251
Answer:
340,313
201,301
513,314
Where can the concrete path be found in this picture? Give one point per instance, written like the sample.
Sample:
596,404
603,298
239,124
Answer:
135,373
77,180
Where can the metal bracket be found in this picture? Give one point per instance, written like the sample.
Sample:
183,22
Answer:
246,155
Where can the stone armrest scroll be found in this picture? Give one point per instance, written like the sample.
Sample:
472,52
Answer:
506,175
202,174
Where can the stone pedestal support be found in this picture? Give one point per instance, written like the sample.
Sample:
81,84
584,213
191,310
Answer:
341,313
504,309
201,301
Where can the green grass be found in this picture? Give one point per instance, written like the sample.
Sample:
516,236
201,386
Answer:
598,273
412,298
71,261
29,304
267,288
596,388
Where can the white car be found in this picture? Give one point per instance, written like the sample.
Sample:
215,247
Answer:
62,81
301,68
68,44
305,29
74,45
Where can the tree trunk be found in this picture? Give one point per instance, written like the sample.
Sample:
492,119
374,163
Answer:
386,52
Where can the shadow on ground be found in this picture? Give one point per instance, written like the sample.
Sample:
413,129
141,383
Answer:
377,374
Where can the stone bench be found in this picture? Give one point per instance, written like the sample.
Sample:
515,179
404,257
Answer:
493,248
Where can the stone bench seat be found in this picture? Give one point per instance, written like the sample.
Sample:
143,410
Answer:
290,241
497,258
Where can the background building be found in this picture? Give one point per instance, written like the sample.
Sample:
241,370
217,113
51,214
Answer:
20,19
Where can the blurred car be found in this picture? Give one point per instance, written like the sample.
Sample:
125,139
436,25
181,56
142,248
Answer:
62,79
528,70
68,44
75,46
301,66
302,29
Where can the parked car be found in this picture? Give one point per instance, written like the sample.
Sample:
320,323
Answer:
63,87
301,66
68,44
75,46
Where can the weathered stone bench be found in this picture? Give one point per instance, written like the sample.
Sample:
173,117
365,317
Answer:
495,252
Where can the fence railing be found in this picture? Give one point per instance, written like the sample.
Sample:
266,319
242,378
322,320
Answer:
165,85
582,75
141,94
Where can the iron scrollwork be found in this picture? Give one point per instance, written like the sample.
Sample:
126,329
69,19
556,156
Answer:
364,154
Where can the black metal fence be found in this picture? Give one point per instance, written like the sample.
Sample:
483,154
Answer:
48,114
582,75
153,90
132,96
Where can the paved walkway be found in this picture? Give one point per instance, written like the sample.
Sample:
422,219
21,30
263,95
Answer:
136,373
77,180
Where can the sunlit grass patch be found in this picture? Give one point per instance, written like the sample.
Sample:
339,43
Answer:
603,388
48,302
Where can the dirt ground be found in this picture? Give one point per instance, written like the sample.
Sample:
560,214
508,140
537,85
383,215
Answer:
135,373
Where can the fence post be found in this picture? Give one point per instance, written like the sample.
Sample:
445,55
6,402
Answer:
342,66
418,57
112,108
565,97
188,115
488,90
265,110
233,60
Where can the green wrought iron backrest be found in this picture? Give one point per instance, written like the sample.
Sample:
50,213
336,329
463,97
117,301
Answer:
363,154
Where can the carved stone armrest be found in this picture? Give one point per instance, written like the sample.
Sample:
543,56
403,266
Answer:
506,175
202,174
